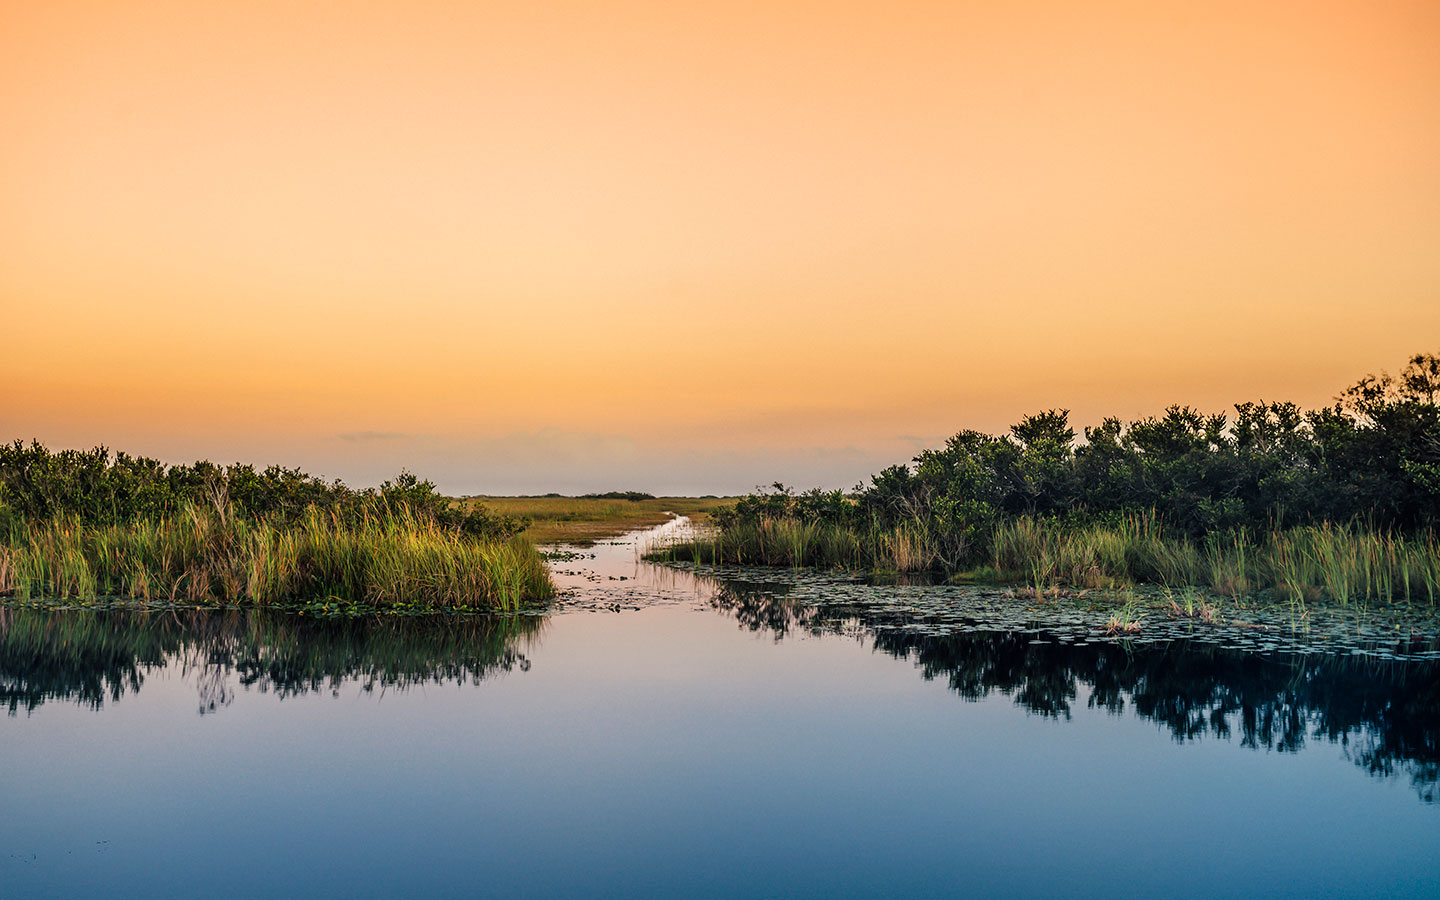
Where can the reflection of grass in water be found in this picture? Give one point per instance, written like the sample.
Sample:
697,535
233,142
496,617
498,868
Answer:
89,656
205,556
293,655
555,520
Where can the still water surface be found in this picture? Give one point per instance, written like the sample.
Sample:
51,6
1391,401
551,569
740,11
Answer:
666,734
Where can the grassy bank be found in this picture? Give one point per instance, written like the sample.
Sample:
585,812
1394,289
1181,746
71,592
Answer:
392,559
1340,563
86,525
1341,502
583,520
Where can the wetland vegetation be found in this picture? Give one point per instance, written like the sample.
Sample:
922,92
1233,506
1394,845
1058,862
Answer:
655,730
1385,711
1274,504
93,526
1340,503
554,519
87,525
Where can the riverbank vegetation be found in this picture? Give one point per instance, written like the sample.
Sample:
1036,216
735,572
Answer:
84,525
596,517
1341,502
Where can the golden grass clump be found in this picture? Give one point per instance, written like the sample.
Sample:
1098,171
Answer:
1341,563
207,556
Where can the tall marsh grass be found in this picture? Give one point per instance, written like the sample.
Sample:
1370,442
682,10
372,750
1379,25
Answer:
788,542
580,520
1343,563
206,556
1095,556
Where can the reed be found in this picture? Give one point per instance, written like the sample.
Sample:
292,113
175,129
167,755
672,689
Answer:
790,543
1342,563
1228,563
207,556
584,520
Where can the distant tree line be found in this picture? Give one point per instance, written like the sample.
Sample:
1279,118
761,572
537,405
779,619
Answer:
100,487
1374,455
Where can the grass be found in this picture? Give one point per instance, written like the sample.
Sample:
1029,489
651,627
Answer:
1126,620
383,561
1191,605
209,556
782,542
1341,563
585,520
910,547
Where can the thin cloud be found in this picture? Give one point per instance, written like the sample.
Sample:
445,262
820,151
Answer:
356,437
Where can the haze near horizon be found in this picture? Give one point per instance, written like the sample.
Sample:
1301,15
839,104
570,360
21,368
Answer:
571,247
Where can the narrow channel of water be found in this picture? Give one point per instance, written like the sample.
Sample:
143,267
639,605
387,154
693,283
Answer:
709,733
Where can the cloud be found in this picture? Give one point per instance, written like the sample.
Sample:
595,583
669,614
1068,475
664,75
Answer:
555,445
356,437
920,441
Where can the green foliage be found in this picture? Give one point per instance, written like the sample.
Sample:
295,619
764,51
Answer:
97,487
1168,489
1342,563
813,506
391,560
90,524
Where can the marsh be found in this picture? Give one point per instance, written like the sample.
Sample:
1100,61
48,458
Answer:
694,732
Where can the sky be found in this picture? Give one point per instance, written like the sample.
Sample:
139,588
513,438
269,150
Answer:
694,248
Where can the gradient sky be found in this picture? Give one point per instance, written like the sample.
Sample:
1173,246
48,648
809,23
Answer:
693,248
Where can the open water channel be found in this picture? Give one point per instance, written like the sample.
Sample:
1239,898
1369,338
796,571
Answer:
717,733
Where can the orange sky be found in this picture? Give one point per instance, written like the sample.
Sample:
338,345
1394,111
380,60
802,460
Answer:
675,247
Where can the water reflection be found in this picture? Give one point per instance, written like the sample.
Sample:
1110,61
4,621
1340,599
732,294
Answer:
90,658
1386,713
612,573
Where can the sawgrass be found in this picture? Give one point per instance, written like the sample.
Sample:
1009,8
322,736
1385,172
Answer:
585,520
1341,563
906,548
204,556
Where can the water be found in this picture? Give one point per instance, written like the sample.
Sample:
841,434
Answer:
672,734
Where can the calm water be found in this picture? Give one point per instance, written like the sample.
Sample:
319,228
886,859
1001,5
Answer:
666,734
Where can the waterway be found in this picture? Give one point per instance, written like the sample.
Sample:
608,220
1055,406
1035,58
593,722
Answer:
704,733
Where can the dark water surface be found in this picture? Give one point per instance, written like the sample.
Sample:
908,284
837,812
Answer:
726,738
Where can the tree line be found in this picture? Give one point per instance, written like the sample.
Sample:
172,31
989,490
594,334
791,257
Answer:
101,487
1373,455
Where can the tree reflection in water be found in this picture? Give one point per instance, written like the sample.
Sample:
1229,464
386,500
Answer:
1386,713
94,657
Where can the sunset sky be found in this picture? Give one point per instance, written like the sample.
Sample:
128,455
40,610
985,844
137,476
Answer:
696,247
